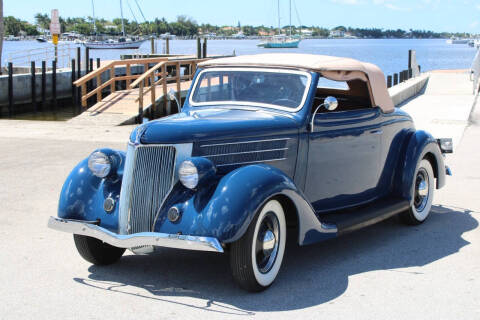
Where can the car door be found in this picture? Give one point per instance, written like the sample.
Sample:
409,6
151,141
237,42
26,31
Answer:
344,167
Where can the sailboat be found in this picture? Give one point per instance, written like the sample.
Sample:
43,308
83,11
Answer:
121,43
282,40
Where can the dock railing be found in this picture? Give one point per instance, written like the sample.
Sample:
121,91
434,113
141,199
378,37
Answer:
475,72
162,74
113,78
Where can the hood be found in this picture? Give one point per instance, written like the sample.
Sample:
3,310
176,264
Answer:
213,124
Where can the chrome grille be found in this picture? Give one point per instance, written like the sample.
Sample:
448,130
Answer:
148,176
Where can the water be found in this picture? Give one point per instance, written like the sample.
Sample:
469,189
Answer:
391,55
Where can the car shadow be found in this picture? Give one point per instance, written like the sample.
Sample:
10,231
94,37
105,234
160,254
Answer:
316,273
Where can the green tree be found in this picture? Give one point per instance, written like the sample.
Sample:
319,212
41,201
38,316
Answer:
42,20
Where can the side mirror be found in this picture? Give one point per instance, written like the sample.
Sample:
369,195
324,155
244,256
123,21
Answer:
330,103
171,94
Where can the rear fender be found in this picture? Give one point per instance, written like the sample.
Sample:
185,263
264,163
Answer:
421,145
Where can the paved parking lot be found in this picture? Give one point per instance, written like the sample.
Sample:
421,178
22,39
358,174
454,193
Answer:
387,271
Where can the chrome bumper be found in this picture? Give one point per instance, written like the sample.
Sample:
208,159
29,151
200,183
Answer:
136,239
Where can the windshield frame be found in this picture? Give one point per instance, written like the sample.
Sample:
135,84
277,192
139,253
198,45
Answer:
250,103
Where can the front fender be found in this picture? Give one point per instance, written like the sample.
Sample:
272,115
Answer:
225,209
83,195
421,144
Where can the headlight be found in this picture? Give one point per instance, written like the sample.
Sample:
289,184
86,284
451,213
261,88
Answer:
188,174
99,163
196,171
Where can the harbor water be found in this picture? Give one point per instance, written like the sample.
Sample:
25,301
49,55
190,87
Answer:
391,55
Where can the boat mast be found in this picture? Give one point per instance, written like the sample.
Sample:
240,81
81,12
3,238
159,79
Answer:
290,23
121,13
278,9
94,21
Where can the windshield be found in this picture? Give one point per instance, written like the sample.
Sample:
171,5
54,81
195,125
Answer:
281,89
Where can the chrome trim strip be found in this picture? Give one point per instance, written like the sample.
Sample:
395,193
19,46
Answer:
249,103
137,239
242,142
249,162
245,152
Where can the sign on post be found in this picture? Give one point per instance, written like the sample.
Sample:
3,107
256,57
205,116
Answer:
55,29
55,22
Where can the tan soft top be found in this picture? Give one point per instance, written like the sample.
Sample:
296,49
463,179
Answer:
334,68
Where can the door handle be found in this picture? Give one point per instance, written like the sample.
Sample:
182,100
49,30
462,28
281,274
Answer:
378,131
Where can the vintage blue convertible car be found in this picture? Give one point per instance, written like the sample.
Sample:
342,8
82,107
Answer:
262,143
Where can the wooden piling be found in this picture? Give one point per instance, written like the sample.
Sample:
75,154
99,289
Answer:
199,48
79,75
74,89
98,63
395,79
44,83
87,59
389,81
152,45
10,89
54,84
204,51
33,86
167,45
90,68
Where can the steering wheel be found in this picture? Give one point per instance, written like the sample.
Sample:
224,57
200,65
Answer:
277,101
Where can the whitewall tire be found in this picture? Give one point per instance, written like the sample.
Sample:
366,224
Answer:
255,259
422,189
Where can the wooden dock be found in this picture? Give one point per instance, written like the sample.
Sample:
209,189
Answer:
145,92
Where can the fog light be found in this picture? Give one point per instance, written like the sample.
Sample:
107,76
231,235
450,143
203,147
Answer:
173,214
109,204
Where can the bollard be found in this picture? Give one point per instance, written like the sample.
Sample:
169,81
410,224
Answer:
167,45
10,89
395,79
199,48
44,83
204,53
54,84
74,89
389,81
34,86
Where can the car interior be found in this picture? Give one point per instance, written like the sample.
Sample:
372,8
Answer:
351,95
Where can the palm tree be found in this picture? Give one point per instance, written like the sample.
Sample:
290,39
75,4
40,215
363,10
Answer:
1,33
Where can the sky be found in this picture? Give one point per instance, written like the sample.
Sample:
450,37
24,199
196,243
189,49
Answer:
435,15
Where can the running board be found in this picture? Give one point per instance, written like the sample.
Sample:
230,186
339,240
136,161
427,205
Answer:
353,219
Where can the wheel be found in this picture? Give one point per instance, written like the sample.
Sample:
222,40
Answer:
423,186
96,251
255,259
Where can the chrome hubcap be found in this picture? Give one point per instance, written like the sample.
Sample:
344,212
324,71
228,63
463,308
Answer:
266,246
421,190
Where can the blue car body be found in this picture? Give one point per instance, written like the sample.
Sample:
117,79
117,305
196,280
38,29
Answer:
351,159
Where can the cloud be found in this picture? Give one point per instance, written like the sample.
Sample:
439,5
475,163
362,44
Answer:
474,24
391,4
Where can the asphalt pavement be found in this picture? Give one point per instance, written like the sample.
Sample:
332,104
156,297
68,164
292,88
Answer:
386,271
